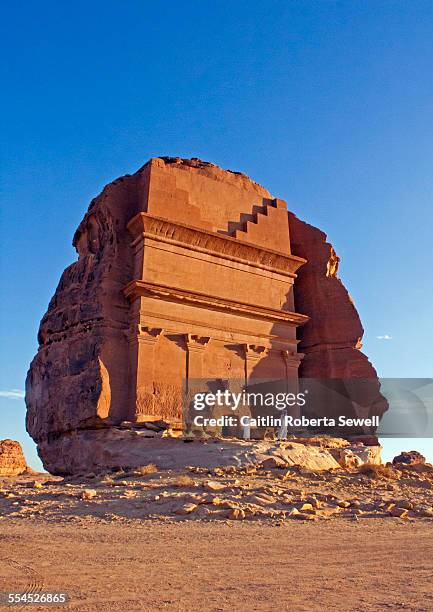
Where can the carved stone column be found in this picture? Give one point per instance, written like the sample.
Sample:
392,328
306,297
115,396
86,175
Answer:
142,341
292,359
253,354
195,346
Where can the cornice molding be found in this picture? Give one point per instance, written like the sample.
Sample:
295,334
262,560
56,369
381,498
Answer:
211,243
139,288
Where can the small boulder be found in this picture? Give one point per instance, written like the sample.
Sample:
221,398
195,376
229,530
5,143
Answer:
293,512
88,494
128,493
273,462
186,509
12,461
409,458
236,514
263,499
343,503
307,508
304,516
398,512
224,503
213,485
403,503
425,511
314,502
346,458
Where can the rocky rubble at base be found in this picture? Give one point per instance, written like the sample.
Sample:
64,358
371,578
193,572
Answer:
12,461
273,495
134,445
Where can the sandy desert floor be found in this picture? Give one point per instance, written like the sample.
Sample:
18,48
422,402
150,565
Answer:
194,566
156,540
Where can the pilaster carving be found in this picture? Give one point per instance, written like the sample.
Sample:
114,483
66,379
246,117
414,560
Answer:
292,359
253,353
196,346
194,342
149,334
143,339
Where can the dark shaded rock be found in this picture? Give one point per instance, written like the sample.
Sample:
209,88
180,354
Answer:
409,458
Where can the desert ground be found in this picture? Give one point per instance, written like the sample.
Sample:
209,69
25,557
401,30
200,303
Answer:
221,539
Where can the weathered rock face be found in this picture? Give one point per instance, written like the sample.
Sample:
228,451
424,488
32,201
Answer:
185,271
331,339
12,461
82,342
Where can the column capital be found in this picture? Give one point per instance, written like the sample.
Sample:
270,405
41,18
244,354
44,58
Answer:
255,351
292,357
194,342
144,333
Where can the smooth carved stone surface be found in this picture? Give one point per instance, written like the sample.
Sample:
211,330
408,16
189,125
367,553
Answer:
183,249
12,461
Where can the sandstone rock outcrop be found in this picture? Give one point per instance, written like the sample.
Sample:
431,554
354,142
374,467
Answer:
185,271
409,458
111,448
332,338
12,461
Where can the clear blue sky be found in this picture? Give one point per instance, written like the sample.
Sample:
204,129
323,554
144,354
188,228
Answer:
328,104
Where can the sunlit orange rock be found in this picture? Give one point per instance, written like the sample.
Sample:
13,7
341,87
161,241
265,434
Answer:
12,461
185,271
332,338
